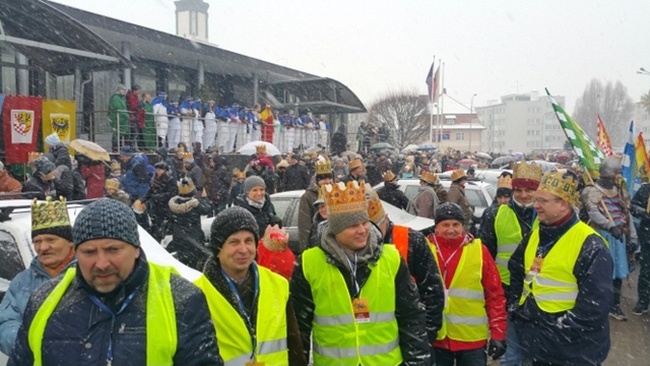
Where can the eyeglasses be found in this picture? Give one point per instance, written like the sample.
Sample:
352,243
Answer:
543,201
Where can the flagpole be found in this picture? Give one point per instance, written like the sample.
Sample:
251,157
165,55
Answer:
433,67
442,102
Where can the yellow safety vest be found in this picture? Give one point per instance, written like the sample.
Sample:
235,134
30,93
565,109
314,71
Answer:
161,316
555,288
234,340
338,338
464,316
509,235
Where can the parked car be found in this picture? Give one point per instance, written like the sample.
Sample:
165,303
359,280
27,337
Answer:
287,207
17,251
484,175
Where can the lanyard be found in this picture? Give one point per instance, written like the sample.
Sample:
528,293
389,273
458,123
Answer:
445,261
353,268
104,308
542,250
247,318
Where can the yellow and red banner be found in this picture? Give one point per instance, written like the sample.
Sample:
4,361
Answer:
603,139
59,116
642,161
21,119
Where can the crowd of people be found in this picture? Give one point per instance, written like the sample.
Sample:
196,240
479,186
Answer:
536,284
145,123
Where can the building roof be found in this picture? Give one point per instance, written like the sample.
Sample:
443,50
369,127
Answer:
53,40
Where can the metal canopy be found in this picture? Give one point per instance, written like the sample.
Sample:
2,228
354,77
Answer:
53,40
320,95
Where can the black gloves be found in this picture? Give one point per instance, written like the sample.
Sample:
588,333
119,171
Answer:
496,349
616,232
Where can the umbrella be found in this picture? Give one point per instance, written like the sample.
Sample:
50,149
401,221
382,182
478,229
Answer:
251,148
312,150
381,146
503,160
483,155
466,163
410,148
90,149
426,147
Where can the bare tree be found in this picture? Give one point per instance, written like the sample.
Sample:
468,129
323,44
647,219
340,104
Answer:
401,113
612,103
645,101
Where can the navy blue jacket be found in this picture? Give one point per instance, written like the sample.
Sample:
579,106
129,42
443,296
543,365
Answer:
136,181
576,337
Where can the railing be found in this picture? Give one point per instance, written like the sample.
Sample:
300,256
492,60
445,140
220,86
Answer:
227,136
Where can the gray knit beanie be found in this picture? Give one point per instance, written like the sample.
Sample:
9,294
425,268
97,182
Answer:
251,182
106,219
228,222
44,165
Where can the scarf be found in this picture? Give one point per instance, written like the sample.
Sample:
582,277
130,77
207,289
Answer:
257,204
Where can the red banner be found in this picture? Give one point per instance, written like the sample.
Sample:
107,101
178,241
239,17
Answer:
21,121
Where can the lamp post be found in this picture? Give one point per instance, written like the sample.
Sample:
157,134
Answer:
642,71
471,118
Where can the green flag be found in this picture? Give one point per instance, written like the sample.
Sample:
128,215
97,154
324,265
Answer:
588,152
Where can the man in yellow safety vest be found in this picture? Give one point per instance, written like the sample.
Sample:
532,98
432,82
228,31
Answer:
355,294
561,287
116,307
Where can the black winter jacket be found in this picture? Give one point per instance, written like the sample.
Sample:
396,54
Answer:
262,216
78,332
392,194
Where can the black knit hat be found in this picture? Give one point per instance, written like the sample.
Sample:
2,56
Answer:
106,219
449,211
228,222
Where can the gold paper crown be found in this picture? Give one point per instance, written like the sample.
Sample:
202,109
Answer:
49,214
504,182
323,166
556,184
238,174
429,177
356,163
187,156
260,149
523,170
112,183
33,155
375,209
115,165
341,198
457,174
185,186
389,176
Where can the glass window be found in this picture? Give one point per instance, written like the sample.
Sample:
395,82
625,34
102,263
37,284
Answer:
10,257
145,77
411,191
281,206
475,197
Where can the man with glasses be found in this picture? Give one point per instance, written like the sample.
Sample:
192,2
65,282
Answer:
560,282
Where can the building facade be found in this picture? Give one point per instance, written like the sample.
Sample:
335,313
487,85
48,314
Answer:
521,123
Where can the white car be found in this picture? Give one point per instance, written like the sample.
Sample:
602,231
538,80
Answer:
484,175
17,251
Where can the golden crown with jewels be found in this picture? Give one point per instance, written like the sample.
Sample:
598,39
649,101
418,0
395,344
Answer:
563,186
115,165
375,209
49,214
341,198
523,170
504,182
260,149
323,166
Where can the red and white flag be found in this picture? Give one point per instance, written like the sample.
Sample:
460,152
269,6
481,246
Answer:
603,139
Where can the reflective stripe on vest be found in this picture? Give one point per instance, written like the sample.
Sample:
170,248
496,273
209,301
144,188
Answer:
161,316
233,338
401,241
338,338
555,288
465,318
509,235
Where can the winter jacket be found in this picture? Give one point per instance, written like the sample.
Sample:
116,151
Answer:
35,187
424,203
117,111
488,235
579,336
456,194
495,300
391,193
296,177
262,216
212,271
136,181
163,188
219,187
94,174
15,301
196,174
409,313
306,212
188,239
8,184
78,333
121,196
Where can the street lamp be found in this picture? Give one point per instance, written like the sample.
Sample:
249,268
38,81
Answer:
643,71
471,118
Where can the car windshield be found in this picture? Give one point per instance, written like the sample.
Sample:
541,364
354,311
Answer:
9,256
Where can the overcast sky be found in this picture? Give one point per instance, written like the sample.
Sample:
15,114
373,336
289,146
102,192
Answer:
491,48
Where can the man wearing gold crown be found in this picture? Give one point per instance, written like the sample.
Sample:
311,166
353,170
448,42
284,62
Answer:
426,201
52,238
306,209
502,229
356,294
607,204
456,194
561,282
391,193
